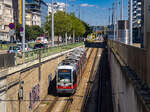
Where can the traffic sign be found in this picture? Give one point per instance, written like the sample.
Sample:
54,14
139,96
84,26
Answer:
11,25
21,34
44,35
21,29
11,32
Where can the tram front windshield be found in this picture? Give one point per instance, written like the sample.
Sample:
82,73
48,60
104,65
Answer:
64,75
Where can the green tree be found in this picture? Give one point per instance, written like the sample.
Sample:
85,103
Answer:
77,26
28,32
31,32
35,31
18,37
88,29
63,23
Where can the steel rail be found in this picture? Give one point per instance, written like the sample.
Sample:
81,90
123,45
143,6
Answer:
89,86
69,101
52,105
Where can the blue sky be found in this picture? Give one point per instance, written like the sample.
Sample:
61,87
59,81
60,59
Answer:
94,12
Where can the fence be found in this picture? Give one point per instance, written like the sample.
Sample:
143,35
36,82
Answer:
135,58
7,60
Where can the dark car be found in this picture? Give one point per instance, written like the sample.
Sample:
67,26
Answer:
40,45
0,41
5,42
14,49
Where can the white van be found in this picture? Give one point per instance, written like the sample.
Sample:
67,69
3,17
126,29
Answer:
41,40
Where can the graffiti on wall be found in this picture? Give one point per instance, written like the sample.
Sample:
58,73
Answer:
34,96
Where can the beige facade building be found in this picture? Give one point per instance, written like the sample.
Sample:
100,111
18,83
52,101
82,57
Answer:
6,17
29,19
36,19
58,6
33,19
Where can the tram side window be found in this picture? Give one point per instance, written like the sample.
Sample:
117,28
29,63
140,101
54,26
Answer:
74,77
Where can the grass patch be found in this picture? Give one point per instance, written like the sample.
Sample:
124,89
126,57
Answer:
4,47
66,47
32,55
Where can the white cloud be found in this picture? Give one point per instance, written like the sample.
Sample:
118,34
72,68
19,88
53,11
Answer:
88,5
84,5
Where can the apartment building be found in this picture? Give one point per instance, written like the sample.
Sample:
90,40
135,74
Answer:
58,6
33,18
137,13
138,20
6,17
38,11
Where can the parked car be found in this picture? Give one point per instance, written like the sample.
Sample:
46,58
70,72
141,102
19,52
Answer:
41,40
14,49
27,47
0,41
5,42
40,45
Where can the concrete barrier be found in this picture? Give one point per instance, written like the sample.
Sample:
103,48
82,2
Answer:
128,94
7,60
134,57
32,79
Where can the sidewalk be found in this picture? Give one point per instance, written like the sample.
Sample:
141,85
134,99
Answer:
3,51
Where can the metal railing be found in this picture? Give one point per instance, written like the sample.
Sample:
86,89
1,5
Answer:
7,60
134,57
10,60
36,54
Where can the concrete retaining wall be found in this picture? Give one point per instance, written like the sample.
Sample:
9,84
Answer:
124,91
35,81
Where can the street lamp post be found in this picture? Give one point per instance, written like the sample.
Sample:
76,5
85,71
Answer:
114,17
131,2
52,29
23,25
121,16
117,20
66,36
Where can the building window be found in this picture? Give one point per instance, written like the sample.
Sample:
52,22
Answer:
3,27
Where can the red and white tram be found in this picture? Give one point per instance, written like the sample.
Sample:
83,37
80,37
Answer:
69,72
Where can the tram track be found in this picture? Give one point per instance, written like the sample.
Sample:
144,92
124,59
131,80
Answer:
52,104
78,99
90,83
67,105
68,100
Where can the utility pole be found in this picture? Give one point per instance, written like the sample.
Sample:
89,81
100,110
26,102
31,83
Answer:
112,14
79,11
114,19
66,6
52,23
109,15
121,16
117,19
74,15
23,25
66,36
131,5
